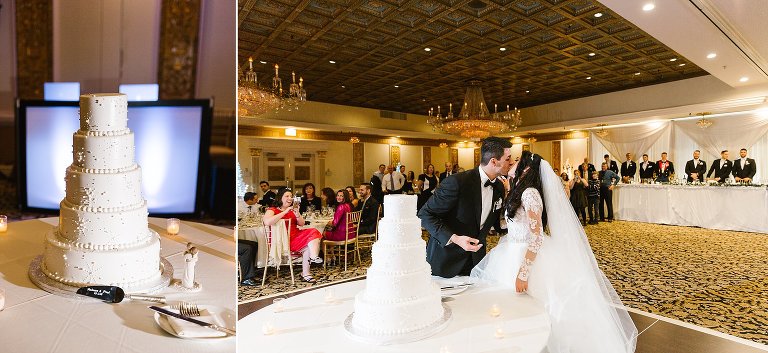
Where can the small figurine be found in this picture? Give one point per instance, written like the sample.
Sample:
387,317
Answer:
187,283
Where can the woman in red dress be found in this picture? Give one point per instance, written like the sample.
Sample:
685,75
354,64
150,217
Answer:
337,230
306,241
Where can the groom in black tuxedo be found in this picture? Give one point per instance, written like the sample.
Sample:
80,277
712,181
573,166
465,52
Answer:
695,168
744,168
721,167
462,210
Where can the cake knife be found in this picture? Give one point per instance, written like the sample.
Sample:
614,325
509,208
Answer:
194,321
114,294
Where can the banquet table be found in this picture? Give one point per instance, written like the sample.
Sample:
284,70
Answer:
310,323
256,233
37,321
741,208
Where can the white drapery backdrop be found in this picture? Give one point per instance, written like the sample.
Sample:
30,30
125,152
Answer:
680,138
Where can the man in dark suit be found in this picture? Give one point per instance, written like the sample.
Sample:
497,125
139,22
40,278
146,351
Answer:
611,164
628,169
269,196
646,169
370,207
586,167
721,168
448,171
695,168
744,168
462,210
664,169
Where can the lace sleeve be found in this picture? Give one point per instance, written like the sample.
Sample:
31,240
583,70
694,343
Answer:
533,206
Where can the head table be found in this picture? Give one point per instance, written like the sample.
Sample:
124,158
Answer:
313,322
36,321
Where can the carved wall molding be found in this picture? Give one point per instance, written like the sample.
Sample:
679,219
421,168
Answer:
477,157
394,155
556,149
322,154
255,152
179,29
426,153
454,156
358,156
34,47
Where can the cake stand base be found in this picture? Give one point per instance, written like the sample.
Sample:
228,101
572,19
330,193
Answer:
52,286
398,339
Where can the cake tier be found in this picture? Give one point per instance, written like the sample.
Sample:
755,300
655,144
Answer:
103,112
103,230
109,152
383,286
404,257
66,262
392,319
104,191
397,231
400,206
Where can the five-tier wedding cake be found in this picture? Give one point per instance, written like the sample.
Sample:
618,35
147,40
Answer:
400,302
103,236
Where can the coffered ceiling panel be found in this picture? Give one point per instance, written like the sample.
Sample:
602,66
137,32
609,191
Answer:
553,50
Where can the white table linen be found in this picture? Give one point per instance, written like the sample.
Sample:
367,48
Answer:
37,321
309,324
740,208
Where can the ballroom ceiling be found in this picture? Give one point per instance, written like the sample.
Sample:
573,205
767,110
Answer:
551,47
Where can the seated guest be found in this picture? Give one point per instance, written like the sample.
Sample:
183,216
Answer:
247,206
328,197
628,169
744,168
695,168
306,241
370,207
269,196
337,229
408,186
664,168
721,168
586,168
647,168
611,164
352,196
246,256
308,200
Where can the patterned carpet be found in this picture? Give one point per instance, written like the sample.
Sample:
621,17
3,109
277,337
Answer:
709,278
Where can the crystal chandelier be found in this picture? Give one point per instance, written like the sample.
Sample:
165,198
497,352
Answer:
474,121
704,123
253,100
602,132
296,94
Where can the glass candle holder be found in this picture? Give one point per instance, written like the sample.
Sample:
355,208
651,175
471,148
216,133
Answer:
3,223
495,310
278,303
330,296
267,329
172,226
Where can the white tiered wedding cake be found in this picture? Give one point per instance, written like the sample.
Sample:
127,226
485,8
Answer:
103,236
400,303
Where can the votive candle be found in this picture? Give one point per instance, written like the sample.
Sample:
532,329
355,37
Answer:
495,310
267,329
172,226
3,223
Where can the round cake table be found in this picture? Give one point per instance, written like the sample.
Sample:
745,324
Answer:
37,321
313,322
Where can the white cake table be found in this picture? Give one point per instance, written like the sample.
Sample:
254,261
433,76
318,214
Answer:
37,321
309,324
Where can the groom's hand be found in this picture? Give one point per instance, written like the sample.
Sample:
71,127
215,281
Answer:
466,243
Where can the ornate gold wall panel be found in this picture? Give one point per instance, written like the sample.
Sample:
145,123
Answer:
358,155
556,154
179,28
394,155
34,47
426,153
477,157
454,157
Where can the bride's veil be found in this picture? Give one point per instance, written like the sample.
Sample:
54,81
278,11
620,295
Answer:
565,277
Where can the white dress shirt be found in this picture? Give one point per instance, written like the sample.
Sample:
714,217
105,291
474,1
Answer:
394,178
487,196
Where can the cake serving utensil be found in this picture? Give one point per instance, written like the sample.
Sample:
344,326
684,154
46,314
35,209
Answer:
114,294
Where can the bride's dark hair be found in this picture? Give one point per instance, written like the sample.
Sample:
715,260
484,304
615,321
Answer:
523,180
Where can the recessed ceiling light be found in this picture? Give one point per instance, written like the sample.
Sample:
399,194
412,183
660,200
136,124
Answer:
589,77
331,61
673,59
396,86
599,14
342,86
744,79
649,6
527,91
427,49
637,73
591,54
711,55
503,49
290,131
262,61
683,64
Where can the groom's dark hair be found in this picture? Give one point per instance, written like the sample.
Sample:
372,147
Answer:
493,147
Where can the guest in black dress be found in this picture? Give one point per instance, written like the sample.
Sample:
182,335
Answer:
578,186
308,199
429,182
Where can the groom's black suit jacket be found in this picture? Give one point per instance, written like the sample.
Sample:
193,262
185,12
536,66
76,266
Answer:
455,208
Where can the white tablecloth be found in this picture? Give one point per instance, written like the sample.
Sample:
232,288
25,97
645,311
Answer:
742,208
36,321
308,324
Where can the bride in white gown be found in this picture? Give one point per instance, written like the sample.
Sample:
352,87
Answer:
558,268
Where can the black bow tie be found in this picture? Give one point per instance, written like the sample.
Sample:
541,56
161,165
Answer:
488,183
249,207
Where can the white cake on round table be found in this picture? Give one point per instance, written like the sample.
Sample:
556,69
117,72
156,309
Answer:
400,301
103,236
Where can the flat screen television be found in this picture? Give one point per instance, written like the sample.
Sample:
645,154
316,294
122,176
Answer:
172,138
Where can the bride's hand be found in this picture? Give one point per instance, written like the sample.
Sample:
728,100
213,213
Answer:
521,286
